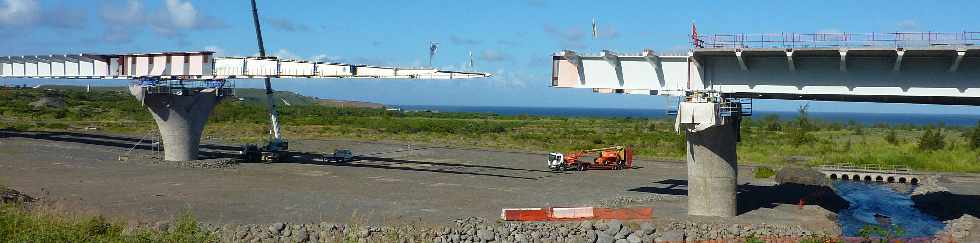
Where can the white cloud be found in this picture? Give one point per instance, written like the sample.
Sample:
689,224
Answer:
132,14
907,25
124,19
285,54
19,13
506,79
173,18
325,58
570,37
182,14
830,31
459,40
285,24
493,56
218,51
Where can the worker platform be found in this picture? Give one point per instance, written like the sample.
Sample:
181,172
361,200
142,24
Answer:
924,68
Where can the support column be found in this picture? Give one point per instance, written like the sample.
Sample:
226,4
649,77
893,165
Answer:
180,117
711,158
712,170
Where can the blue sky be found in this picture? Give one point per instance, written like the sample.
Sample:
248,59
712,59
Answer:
512,39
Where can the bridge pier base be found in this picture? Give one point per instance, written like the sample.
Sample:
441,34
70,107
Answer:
180,116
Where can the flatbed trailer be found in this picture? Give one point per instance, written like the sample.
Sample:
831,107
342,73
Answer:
609,158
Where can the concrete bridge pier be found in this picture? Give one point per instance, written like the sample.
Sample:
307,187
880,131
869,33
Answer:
711,159
180,116
712,170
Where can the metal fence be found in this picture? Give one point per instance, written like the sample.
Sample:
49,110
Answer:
816,40
893,169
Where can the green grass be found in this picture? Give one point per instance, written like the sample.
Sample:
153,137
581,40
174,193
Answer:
765,140
18,224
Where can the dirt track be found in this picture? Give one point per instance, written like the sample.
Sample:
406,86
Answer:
391,182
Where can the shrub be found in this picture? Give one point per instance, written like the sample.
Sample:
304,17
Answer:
763,172
891,137
800,136
973,137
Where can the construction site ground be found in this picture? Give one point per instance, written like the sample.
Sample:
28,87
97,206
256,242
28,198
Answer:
390,182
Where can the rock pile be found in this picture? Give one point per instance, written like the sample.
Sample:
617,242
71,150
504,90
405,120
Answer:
481,230
930,184
696,231
625,201
13,196
201,163
959,229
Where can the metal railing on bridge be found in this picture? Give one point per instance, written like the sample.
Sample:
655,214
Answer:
836,40
874,168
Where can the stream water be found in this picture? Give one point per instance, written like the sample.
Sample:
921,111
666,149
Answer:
868,199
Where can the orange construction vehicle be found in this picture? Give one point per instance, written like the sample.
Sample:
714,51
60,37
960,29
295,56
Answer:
611,158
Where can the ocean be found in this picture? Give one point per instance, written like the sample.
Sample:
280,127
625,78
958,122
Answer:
842,117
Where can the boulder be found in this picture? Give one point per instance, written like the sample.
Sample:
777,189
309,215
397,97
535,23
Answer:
802,176
276,228
634,238
671,236
648,228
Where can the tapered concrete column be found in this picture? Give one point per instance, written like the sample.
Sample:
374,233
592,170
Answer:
712,170
181,120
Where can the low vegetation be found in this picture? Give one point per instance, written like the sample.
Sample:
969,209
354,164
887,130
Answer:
766,140
763,172
18,223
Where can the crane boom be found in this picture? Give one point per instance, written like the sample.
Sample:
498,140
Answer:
603,149
270,101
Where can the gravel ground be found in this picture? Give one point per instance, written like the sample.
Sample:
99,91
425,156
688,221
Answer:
391,183
481,230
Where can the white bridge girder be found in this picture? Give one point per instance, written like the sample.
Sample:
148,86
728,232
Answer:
929,75
201,65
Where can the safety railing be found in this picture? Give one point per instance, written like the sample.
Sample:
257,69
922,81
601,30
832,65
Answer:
181,87
879,168
817,40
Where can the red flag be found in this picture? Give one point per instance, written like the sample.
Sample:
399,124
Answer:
695,40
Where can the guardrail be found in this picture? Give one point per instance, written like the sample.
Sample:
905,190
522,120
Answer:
878,168
812,40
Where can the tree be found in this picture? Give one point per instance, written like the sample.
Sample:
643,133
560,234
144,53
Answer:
973,137
772,122
801,134
803,121
932,139
891,137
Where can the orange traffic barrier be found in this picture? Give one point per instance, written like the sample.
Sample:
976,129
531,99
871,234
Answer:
582,213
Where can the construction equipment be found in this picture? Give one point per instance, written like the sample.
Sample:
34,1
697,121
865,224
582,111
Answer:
339,156
277,146
612,158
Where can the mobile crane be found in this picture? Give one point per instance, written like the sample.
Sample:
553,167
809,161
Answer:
277,146
612,158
